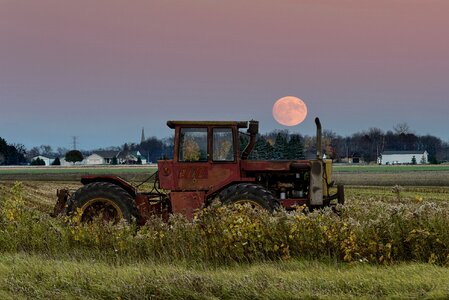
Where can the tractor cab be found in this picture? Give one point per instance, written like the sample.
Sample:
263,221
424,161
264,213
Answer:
206,156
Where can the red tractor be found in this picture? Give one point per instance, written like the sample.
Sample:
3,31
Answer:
207,165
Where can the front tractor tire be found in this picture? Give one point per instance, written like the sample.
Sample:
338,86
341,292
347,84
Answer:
248,193
102,201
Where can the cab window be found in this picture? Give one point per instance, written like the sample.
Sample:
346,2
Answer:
222,144
193,145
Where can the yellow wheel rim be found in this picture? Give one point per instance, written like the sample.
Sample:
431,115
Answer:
102,208
253,203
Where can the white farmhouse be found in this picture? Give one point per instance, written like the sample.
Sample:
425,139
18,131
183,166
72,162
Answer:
403,157
94,159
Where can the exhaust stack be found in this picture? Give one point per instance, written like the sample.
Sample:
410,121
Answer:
319,149
316,172
253,129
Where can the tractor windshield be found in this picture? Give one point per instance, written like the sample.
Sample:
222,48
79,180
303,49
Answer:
223,144
193,144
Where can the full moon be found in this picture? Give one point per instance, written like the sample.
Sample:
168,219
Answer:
289,111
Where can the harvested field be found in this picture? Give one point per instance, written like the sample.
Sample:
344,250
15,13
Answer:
373,175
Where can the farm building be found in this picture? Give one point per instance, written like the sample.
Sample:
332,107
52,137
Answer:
403,157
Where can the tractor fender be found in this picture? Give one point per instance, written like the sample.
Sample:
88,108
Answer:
111,179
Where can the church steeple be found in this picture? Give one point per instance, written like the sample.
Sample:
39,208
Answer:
142,138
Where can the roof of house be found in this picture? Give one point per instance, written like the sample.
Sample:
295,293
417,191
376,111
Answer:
403,152
41,157
135,153
126,155
107,153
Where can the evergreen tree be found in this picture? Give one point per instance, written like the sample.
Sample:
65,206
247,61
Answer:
114,160
38,162
267,150
280,147
56,162
295,148
3,151
139,161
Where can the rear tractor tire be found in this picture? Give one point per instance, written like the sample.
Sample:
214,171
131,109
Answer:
248,193
104,201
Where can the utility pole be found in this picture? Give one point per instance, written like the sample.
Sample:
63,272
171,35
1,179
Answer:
74,141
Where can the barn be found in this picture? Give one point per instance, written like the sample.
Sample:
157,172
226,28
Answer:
404,157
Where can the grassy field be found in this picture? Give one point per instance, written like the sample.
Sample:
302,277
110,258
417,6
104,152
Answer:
36,277
385,244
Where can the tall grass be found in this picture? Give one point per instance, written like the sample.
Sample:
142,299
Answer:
31,277
364,230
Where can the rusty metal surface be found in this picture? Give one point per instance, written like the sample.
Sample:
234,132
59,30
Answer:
187,203
143,208
272,166
194,176
167,179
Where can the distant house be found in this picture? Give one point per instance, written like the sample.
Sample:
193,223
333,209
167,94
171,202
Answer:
355,158
94,159
102,157
129,157
403,157
138,155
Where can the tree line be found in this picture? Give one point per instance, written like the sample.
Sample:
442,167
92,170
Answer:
274,145
371,143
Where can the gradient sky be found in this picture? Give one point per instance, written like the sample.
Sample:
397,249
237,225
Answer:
103,69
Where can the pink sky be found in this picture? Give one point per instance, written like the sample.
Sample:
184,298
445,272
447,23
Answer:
101,70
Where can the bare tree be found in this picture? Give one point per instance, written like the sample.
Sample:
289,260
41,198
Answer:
401,128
